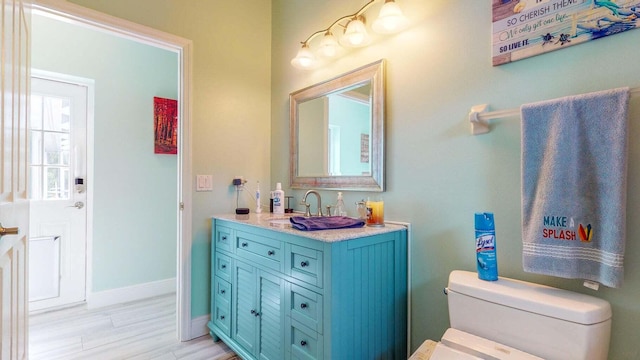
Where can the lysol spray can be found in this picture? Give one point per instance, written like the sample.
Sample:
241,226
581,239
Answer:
486,259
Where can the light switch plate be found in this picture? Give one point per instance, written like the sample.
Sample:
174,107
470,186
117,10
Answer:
204,182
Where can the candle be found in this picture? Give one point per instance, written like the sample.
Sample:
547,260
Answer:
375,212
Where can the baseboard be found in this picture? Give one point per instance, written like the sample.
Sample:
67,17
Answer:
199,326
131,293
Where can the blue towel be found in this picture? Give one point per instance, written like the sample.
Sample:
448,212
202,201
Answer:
325,223
574,183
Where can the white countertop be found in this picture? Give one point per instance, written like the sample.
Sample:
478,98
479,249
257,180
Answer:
282,224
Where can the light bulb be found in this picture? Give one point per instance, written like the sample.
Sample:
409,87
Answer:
329,45
355,35
390,20
304,59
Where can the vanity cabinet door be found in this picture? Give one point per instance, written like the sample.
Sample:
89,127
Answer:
245,307
271,320
259,312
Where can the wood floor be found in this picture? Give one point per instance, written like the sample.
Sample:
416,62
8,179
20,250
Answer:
139,330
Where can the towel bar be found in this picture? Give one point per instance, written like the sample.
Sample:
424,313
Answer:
479,116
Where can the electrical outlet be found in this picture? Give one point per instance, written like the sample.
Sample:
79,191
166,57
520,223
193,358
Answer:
204,182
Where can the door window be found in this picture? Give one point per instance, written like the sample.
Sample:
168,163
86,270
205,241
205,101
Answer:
50,148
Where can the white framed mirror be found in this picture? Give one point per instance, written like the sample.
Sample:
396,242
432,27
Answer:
337,132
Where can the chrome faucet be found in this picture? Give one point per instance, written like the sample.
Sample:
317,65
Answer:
308,206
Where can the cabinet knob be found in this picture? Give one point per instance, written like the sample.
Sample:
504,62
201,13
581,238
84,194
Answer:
244,244
271,253
221,317
304,263
255,313
222,291
303,343
303,305
224,238
223,266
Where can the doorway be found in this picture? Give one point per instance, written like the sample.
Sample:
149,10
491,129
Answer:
57,190
134,190
84,17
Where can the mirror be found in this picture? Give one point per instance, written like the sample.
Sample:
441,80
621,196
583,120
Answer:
337,132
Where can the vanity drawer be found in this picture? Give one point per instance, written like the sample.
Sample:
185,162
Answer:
260,250
304,343
222,316
222,266
306,307
306,264
222,238
222,289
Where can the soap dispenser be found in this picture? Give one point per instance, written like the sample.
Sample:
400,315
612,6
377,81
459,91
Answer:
340,209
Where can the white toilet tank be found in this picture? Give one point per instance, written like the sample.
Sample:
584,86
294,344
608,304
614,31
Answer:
544,321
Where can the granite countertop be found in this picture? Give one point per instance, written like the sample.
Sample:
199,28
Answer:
282,224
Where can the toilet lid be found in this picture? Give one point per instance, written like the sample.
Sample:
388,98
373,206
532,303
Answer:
456,344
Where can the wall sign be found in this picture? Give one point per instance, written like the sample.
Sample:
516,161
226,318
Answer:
530,27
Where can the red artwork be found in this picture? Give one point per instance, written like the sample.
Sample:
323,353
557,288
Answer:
165,125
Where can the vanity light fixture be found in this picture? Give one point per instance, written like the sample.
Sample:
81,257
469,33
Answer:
355,35
390,20
329,46
304,59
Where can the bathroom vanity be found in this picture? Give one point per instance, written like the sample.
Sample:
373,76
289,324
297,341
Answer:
281,293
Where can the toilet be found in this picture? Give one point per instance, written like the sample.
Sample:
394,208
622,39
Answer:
512,319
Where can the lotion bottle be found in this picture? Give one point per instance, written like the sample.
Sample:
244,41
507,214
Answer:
278,200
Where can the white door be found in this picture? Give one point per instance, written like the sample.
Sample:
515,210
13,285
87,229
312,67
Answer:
57,188
14,205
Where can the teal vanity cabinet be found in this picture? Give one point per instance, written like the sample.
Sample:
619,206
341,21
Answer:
279,293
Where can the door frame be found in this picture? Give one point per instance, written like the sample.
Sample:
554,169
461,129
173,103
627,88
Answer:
95,20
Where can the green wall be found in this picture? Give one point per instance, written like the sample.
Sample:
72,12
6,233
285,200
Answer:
438,174
135,197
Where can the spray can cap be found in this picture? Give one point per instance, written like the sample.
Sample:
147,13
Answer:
279,186
484,221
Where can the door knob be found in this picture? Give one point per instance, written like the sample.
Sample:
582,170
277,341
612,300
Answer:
77,205
8,231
